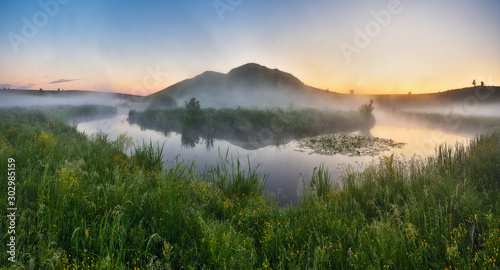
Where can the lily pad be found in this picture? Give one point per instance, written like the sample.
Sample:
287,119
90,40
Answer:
348,144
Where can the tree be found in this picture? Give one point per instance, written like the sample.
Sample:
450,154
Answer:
193,114
193,106
367,109
367,118
351,92
58,89
41,90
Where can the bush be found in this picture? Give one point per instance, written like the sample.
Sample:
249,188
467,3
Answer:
367,117
366,109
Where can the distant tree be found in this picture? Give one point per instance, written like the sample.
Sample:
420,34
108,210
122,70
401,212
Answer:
41,90
193,106
351,92
474,83
482,83
367,117
58,89
193,114
4,88
367,109
409,93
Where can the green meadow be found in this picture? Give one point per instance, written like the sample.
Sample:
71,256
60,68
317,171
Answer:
83,203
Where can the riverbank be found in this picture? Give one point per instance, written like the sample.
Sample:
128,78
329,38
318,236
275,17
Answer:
83,202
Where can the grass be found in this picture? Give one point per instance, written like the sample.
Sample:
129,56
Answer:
233,180
83,203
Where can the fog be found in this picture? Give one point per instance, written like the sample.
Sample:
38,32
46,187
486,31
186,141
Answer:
457,118
393,111
23,100
35,99
264,98
463,109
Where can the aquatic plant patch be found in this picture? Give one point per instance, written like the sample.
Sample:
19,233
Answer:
348,144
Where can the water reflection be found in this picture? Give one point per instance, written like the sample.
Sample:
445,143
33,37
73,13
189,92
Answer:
190,138
289,168
250,140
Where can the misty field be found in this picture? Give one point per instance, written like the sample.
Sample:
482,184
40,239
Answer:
83,203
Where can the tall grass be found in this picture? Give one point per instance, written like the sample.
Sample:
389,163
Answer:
233,180
320,181
149,156
83,203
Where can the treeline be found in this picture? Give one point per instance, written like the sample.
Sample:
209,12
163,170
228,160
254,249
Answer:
236,122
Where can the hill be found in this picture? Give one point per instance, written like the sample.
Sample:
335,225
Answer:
250,85
484,100
483,94
253,85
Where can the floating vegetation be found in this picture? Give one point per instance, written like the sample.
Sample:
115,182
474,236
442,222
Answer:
348,144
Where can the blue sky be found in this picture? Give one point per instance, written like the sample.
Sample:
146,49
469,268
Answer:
141,47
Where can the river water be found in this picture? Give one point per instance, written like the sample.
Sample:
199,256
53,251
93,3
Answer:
288,167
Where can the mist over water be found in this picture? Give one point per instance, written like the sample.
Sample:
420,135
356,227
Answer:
289,167
20,100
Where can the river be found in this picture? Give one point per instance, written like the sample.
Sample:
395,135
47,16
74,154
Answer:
288,167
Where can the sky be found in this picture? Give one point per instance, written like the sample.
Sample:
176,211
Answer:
141,47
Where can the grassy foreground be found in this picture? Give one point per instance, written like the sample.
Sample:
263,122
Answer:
82,203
